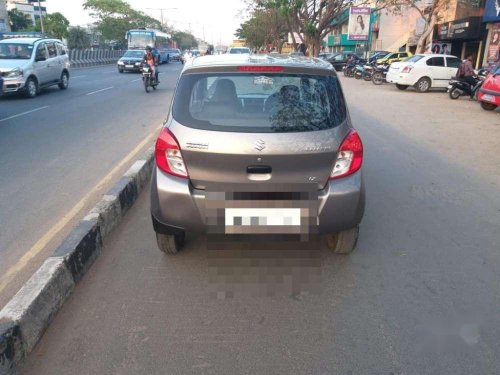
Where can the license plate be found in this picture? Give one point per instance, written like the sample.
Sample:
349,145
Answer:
129,66
262,217
488,98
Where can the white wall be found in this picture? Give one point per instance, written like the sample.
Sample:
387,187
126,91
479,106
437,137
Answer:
395,29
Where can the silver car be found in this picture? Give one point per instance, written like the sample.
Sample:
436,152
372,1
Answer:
258,146
30,64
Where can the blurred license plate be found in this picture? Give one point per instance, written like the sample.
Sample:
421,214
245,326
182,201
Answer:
262,217
129,66
488,98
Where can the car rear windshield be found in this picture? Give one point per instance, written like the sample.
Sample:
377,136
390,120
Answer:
15,51
414,58
239,50
257,102
136,54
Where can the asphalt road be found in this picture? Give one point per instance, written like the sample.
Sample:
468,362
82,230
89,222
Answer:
418,296
57,147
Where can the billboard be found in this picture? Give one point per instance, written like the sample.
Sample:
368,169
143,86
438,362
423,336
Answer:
494,44
492,11
359,23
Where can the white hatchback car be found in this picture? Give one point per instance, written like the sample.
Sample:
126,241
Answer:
423,71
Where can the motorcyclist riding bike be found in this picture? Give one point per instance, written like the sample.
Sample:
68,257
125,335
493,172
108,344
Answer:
152,61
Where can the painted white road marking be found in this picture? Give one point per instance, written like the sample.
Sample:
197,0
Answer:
101,90
135,80
77,76
24,113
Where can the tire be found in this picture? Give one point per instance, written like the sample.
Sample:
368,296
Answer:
488,106
120,70
454,93
64,83
169,243
31,87
367,76
423,84
343,242
378,79
358,75
154,87
401,87
146,84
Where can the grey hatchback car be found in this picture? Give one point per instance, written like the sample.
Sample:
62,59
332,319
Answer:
256,146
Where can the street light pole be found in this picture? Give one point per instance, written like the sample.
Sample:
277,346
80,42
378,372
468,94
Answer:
41,16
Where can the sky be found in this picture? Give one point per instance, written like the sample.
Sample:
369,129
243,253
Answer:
213,20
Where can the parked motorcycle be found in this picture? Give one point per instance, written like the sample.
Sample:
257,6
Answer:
458,87
379,75
148,78
368,71
359,69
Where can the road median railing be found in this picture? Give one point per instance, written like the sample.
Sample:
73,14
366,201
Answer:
93,57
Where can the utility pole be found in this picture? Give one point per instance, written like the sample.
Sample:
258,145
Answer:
162,19
41,16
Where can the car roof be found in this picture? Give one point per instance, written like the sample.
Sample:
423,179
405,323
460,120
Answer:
433,55
228,60
27,40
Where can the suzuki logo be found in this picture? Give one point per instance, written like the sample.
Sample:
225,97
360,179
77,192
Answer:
260,145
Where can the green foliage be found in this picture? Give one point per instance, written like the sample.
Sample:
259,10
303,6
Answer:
55,25
19,21
265,26
184,40
78,38
115,17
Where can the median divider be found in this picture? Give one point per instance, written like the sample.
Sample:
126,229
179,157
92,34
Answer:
86,58
28,314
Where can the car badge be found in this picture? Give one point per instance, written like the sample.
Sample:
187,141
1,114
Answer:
260,145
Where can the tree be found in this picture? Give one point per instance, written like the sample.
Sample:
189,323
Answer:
55,25
184,40
310,18
19,21
265,26
431,14
78,38
116,17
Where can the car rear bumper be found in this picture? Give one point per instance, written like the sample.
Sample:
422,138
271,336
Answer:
176,206
400,79
488,96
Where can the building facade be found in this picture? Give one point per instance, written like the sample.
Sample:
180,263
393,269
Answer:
491,21
4,17
31,10
462,30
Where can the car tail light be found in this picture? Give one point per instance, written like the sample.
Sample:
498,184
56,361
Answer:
349,157
168,155
260,68
407,69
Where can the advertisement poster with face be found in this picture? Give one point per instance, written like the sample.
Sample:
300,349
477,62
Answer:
441,48
359,23
494,44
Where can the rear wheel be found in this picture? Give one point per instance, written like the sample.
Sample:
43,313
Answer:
378,79
454,93
367,76
31,87
401,87
343,242
488,106
423,84
64,81
170,243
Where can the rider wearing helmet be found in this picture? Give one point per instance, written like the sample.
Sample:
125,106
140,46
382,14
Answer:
152,61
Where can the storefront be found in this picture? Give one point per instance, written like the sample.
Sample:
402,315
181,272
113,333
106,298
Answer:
492,21
461,38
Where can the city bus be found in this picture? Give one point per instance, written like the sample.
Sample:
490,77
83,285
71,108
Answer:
141,38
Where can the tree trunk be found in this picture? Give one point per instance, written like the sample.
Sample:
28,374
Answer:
423,40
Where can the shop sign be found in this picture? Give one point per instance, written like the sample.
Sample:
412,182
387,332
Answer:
492,11
460,29
443,30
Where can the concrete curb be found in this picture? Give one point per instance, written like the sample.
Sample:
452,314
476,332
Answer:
27,315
